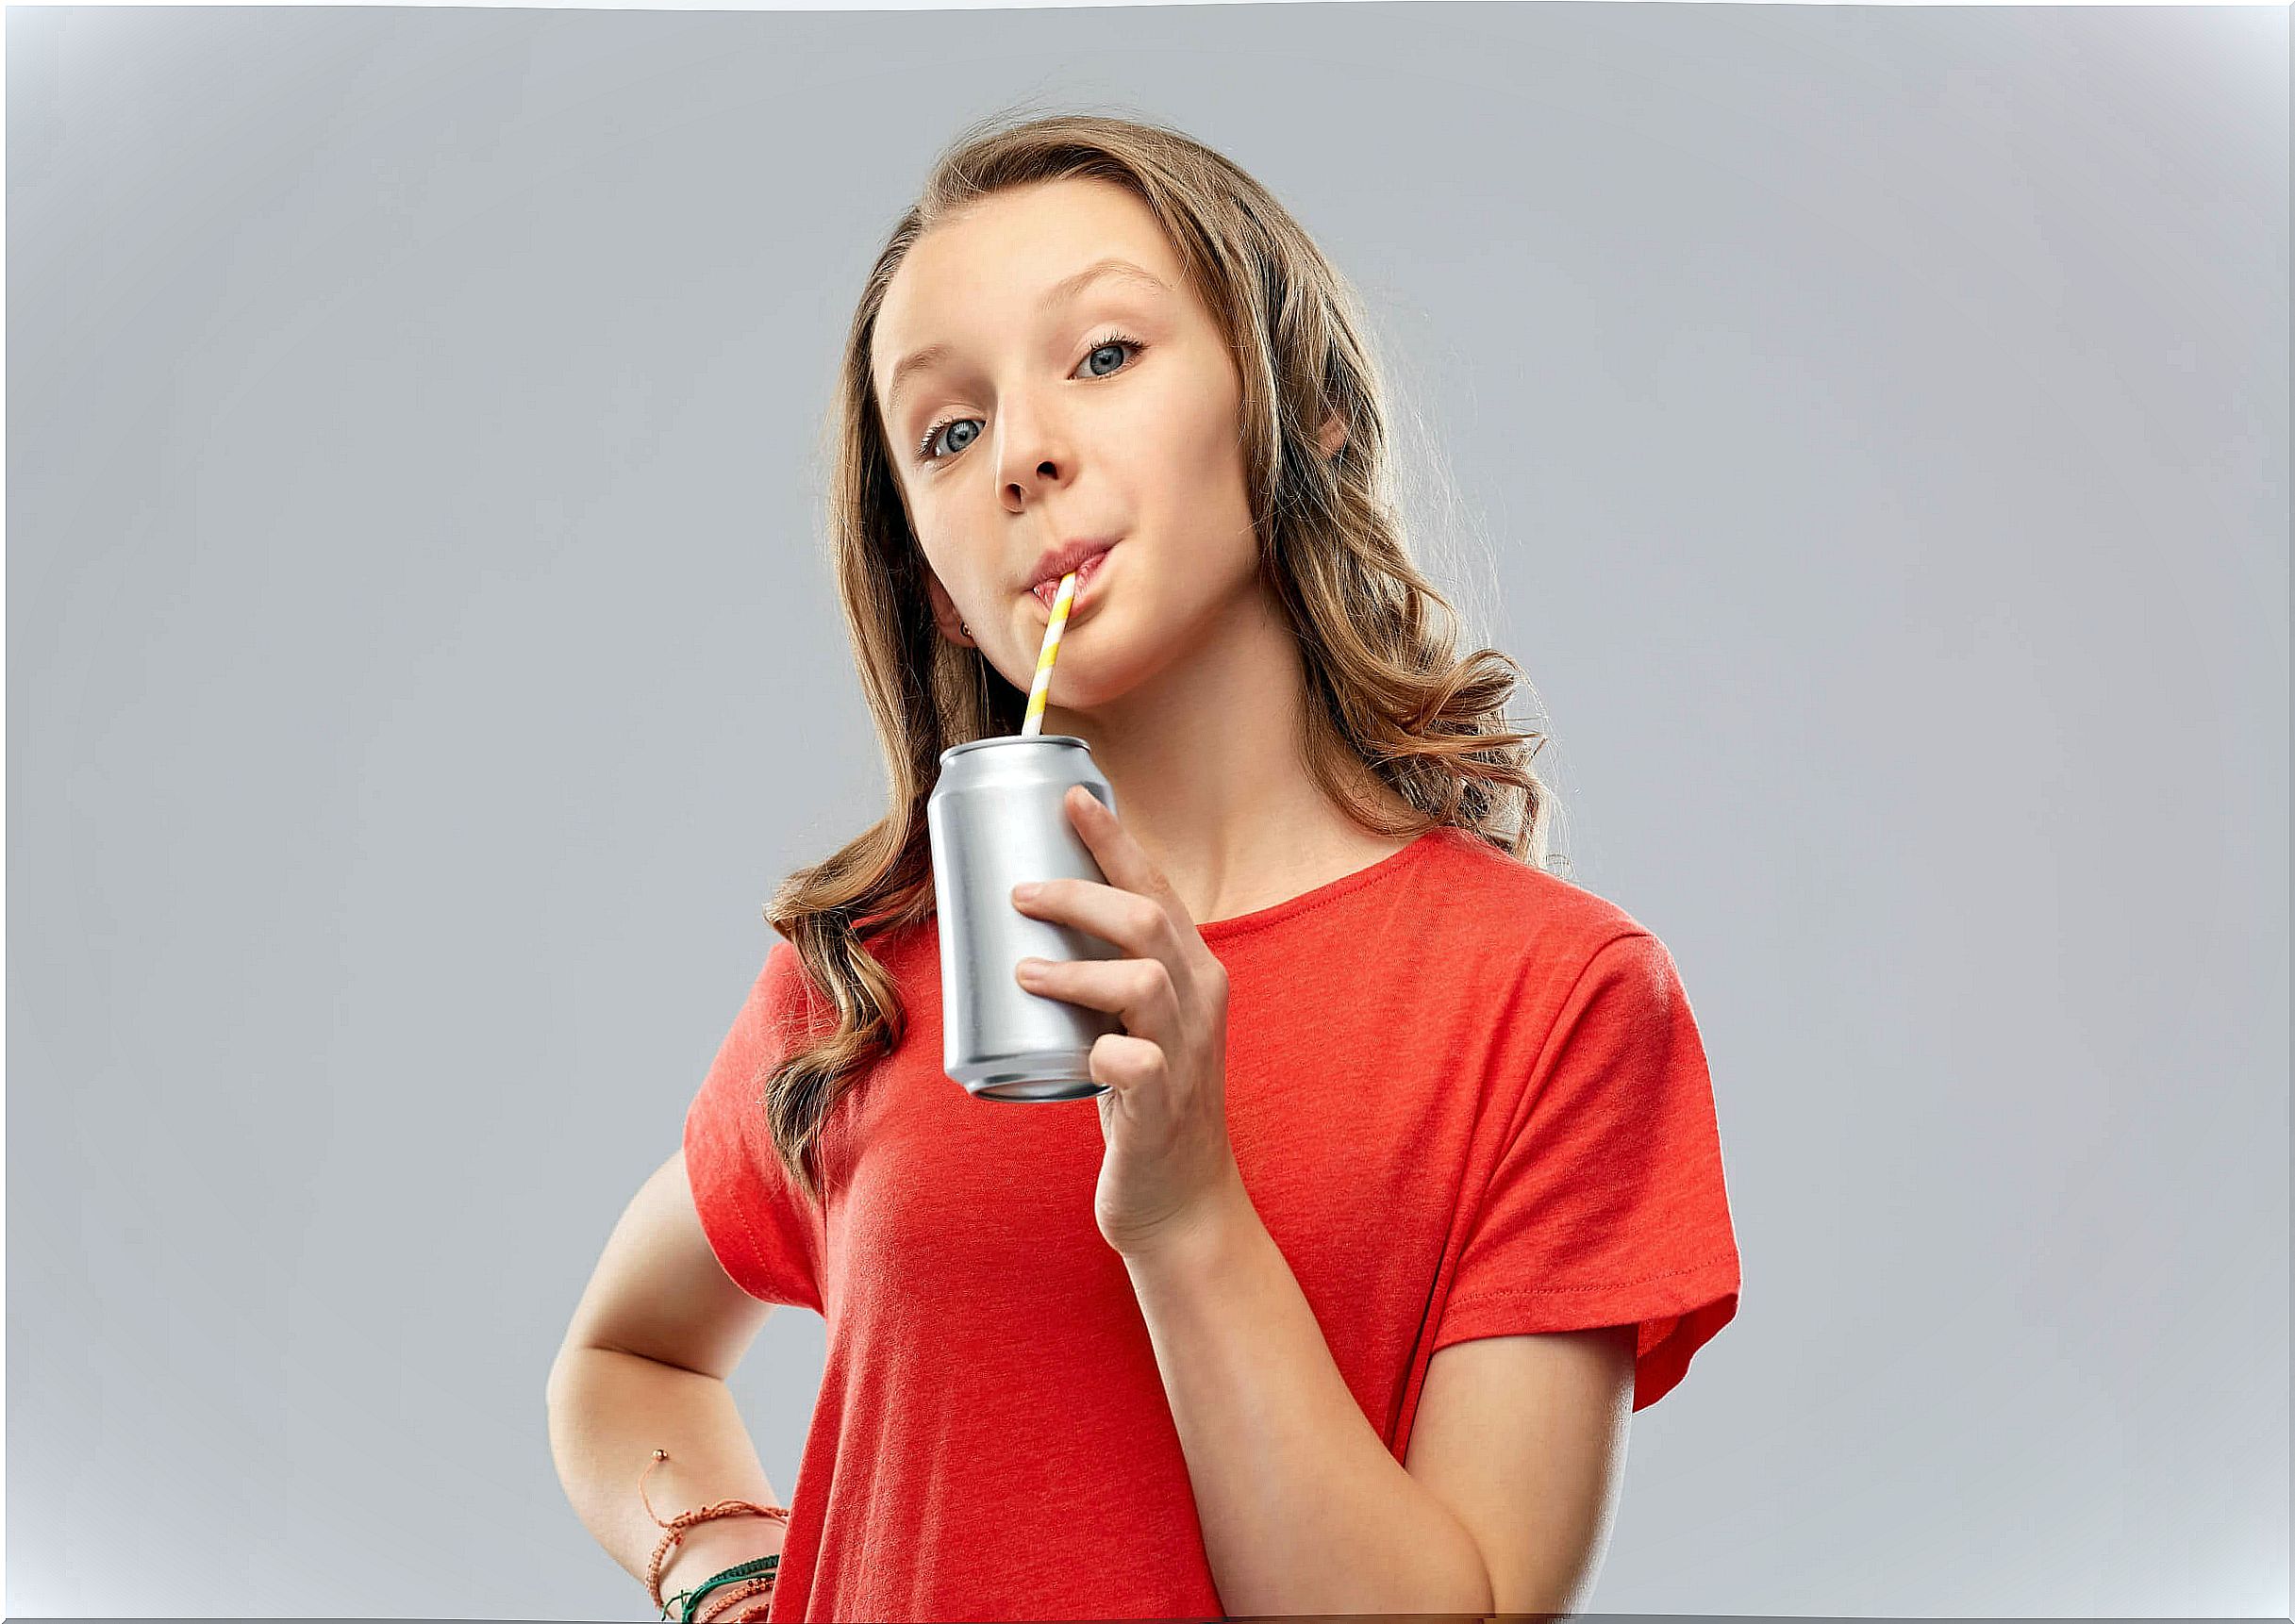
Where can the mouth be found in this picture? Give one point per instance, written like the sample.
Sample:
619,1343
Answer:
1047,590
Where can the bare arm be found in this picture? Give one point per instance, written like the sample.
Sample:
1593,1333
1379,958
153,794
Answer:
609,1413
644,1367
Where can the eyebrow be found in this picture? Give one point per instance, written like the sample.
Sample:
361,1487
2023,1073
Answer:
1065,288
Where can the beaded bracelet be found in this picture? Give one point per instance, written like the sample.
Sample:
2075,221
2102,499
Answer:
733,1604
756,1576
749,1569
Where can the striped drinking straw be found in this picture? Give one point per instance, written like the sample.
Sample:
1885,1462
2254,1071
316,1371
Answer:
1034,725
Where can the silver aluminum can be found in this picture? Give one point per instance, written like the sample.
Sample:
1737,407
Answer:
996,819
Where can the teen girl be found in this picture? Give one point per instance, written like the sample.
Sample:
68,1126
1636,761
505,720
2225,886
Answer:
1407,1188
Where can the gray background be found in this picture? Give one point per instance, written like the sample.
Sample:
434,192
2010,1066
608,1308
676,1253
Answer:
1868,428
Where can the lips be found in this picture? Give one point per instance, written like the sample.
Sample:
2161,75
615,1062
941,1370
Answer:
1069,555
1048,590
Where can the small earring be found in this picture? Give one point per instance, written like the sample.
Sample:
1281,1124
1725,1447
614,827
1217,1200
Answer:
968,629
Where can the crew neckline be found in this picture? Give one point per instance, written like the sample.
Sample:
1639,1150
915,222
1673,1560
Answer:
1320,896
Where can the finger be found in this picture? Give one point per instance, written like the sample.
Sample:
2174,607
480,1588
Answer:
1137,925
1121,859
1137,990
1125,1062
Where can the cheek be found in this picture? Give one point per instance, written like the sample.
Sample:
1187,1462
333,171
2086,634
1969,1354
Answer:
1185,446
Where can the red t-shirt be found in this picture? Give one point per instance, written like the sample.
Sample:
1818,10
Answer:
1468,1099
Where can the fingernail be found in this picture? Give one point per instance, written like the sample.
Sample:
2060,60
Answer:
1029,966
1026,891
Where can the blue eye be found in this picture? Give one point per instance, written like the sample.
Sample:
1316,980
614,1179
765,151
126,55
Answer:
924,449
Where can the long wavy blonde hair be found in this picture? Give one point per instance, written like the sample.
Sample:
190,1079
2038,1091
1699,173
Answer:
1387,690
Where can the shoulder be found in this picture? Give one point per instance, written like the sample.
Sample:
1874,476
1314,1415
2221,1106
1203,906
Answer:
1556,925
889,944
908,952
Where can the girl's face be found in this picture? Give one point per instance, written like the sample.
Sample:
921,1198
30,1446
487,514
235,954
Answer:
1062,406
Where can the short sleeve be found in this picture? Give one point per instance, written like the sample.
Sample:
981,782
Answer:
1608,1204
764,1230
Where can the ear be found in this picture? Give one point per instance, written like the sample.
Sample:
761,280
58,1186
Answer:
1333,435
944,611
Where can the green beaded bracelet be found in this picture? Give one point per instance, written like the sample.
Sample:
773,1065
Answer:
749,1569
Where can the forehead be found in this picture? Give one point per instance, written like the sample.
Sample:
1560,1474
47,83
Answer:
992,267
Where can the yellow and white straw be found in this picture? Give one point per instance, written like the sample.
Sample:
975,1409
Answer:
1034,723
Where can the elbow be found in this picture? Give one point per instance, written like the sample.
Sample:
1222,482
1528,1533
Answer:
565,1370
1558,1597
1476,1596
1560,1583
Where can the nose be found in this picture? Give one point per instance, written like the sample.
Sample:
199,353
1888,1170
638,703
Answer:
1047,473
1035,453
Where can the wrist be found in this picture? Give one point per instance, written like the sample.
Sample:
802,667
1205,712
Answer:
710,1548
1199,1246
736,1600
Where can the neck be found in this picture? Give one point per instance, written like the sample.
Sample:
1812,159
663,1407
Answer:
1209,772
